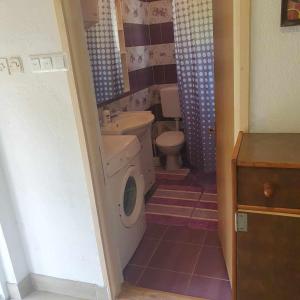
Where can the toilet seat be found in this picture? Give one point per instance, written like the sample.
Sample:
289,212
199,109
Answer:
170,139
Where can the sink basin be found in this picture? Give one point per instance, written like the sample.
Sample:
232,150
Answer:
129,123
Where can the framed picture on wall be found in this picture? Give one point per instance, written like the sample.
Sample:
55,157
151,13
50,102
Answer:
290,13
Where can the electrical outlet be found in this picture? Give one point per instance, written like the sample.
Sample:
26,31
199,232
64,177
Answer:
15,65
4,66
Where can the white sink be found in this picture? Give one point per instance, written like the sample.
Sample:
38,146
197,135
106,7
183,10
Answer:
129,123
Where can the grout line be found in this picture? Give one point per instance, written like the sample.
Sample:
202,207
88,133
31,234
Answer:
177,272
165,205
211,277
204,219
211,194
207,201
196,262
184,243
193,211
175,198
170,214
178,191
184,175
153,253
205,209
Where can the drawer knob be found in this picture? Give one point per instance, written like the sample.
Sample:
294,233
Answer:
268,190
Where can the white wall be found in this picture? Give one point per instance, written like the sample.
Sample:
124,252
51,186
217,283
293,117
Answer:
12,254
275,71
40,150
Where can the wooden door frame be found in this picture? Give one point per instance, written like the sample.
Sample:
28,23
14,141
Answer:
241,49
86,115
81,86
232,62
241,35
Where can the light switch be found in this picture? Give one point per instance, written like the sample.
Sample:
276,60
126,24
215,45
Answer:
15,65
58,62
35,64
46,64
4,66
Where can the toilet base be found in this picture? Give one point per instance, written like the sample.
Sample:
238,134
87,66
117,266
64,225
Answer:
174,162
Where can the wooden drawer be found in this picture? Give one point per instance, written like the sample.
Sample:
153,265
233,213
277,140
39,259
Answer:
284,183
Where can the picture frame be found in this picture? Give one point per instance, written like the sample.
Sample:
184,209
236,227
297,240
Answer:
290,13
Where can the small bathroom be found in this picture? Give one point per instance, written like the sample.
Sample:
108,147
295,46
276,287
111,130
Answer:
153,70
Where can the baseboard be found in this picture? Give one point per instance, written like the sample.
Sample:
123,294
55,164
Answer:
68,287
18,291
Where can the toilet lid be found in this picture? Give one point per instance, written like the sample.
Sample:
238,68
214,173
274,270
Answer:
170,138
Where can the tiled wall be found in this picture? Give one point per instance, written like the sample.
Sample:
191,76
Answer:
149,38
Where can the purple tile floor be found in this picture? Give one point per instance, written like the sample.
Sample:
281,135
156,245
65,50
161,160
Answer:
184,198
180,260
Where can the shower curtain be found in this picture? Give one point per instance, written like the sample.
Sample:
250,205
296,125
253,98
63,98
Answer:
105,56
193,26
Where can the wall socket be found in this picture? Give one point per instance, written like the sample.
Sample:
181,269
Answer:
15,65
4,66
11,65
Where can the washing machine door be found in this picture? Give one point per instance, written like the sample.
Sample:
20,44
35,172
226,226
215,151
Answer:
132,197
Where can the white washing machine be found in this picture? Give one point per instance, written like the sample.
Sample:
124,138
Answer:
125,191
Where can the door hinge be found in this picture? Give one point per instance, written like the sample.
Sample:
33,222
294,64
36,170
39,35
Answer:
241,222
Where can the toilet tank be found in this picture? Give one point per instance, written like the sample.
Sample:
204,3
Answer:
170,102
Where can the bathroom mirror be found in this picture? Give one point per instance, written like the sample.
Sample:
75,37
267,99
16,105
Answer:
106,46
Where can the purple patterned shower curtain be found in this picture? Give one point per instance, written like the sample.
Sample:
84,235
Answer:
105,54
193,26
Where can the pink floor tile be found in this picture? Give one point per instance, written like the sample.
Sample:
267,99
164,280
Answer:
144,252
167,220
203,224
209,197
174,177
185,235
210,188
132,273
186,258
176,202
205,214
212,239
182,171
208,288
207,205
169,210
211,263
181,188
176,257
175,194
163,280
155,231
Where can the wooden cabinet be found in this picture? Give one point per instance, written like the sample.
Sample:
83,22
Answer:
90,12
267,184
268,258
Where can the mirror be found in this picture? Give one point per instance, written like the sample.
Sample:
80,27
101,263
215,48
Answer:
106,46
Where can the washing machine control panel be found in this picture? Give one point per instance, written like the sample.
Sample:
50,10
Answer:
122,159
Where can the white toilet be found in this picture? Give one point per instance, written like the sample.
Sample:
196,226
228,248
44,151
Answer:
170,143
